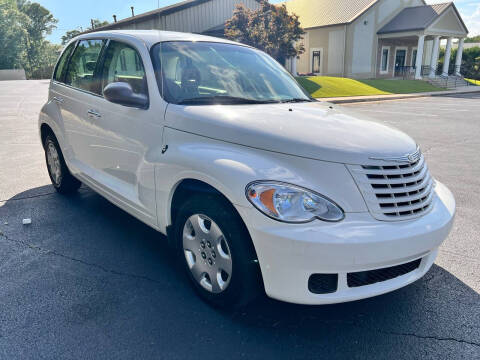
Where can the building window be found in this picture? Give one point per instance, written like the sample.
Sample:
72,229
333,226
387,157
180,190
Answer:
316,61
385,60
414,58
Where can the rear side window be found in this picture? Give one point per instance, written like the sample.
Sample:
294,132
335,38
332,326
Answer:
81,70
62,63
124,64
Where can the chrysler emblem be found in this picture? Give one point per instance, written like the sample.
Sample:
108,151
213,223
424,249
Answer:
409,158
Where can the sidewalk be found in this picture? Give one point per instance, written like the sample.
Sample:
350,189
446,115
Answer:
355,99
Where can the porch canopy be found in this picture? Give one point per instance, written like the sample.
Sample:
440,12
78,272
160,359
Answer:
429,23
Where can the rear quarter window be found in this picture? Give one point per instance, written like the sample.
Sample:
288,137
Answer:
59,73
82,66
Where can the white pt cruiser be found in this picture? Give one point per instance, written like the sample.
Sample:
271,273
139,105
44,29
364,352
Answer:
257,186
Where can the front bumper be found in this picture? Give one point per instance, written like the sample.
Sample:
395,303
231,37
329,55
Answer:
290,254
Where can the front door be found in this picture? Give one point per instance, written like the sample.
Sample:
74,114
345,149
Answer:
400,59
125,135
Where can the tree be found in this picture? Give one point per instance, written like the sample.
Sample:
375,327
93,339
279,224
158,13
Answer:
96,23
40,22
23,27
49,54
270,28
12,34
474,39
69,35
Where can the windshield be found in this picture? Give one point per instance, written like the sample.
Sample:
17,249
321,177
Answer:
202,73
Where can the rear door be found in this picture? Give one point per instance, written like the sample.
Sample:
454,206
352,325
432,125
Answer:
80,103
58,92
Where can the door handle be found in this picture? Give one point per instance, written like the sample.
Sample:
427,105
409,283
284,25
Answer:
94,113
58,99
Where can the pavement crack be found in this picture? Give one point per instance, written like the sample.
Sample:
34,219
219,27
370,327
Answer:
44,251
82,190
29,197
431,337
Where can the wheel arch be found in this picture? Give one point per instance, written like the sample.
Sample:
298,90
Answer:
188,186
46,130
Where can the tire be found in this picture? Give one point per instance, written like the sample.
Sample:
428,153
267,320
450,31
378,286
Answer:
243,283
61,178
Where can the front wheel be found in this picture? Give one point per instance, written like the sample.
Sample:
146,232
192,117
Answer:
61,178
217,252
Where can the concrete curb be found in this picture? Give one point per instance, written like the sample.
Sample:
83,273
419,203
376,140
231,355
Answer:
358,99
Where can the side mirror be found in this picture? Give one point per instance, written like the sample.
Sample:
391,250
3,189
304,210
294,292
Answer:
122,93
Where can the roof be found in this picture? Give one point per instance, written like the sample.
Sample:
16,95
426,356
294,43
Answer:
152,37
157,12
417,18
318,13
161,11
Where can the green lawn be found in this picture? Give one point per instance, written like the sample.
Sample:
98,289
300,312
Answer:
474,82
325,86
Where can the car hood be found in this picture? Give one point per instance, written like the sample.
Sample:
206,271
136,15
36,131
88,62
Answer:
316,130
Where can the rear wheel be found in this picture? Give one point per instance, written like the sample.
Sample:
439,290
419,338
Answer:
61,178
217,252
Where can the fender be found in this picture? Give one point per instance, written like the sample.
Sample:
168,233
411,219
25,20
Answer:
50,115
229,168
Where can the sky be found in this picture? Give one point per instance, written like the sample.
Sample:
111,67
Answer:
77,14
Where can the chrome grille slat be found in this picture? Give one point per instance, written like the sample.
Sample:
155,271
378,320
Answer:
402,189
425,192
395,191
415,167
400,180
410,207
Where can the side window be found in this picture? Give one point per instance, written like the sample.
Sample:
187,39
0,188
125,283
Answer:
124,64
62,63
81,70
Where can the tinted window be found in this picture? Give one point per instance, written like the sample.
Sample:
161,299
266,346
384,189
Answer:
81,70
124,64
62,63
203,73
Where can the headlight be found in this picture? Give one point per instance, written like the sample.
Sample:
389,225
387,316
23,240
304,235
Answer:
290,203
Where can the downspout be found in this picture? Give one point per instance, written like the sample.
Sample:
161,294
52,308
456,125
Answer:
344,49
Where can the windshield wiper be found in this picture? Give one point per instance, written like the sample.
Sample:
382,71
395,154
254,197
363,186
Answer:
223,99
296,100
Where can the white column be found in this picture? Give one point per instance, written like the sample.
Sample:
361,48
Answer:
434,61
448,53
419,61
288,64
458,61
294,66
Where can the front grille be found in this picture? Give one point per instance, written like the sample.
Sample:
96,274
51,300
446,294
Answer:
323,283
400,191
363,278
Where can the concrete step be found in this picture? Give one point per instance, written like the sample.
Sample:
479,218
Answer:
451,82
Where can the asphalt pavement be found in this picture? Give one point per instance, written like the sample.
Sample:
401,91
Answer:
87,281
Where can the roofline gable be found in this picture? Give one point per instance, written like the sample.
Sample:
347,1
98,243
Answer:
446,6
363,11
368,8
452,5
